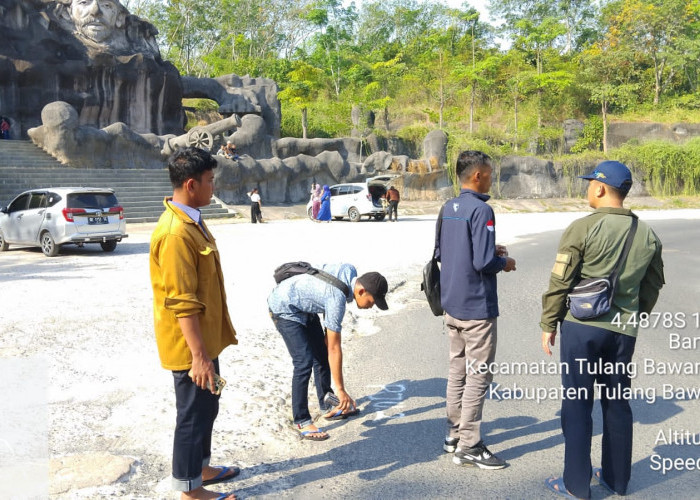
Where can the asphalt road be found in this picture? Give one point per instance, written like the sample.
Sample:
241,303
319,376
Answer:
398,375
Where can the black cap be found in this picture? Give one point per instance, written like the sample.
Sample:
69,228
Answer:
377,286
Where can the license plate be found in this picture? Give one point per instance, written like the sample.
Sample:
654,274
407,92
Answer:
98,220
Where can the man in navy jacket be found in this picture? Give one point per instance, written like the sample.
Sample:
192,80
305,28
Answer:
470,259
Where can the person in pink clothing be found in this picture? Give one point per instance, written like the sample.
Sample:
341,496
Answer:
316,192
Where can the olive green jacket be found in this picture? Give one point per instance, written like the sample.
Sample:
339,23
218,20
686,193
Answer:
590,248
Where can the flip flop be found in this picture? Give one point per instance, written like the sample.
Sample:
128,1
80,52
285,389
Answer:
310,435
224,496
340,415
598,474
556,485
225,474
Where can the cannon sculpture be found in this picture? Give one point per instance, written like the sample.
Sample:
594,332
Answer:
201,136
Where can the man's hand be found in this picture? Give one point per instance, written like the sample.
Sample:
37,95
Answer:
510,264
547,340
202,373
501,251
346,402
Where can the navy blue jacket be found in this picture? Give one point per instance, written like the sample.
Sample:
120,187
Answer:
467,251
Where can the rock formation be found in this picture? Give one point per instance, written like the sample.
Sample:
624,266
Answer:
115,146
105,64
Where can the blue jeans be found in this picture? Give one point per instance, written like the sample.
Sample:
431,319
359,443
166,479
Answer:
611,349
196,411
306,344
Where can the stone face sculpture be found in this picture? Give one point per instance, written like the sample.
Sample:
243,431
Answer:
91,54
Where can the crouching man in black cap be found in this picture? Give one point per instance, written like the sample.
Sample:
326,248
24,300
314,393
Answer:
294,306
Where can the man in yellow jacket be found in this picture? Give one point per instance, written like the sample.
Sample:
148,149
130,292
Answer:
191,319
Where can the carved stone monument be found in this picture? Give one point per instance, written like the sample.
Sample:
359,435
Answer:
91,54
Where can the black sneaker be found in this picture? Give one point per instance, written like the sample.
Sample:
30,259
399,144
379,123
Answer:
450,444
478,456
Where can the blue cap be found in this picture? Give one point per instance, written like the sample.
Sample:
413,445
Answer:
612,173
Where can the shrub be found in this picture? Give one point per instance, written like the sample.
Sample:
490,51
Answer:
668,169
591,137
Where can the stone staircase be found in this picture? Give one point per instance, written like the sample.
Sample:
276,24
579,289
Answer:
25,166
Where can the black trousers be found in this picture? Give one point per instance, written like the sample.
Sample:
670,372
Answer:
307,347
255,213
597,347
196,411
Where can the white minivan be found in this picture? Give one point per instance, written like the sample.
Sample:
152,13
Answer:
51,217
357,199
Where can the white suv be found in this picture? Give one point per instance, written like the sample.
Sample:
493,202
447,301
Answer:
51,217
356,199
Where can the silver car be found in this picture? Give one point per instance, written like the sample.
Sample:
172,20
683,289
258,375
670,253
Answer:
52,217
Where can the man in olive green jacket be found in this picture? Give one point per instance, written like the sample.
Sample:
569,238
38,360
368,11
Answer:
590,248
191,319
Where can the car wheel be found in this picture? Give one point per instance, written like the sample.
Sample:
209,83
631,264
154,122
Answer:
109,245
310,213
3,243
48,245
354,214
379,217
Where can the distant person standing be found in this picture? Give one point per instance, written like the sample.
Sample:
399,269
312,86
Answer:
4,128
255,206
316,192
324,214
466,247
393,197
590,248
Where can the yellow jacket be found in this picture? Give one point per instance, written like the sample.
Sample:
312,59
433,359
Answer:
187,280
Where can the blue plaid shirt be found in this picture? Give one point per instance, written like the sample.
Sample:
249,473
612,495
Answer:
300,296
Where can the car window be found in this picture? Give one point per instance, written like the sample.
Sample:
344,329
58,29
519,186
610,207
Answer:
91,200
335,191
52,199
357,189
20,203
37,200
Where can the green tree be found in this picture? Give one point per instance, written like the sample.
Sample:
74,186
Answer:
655,29
607,71
304,82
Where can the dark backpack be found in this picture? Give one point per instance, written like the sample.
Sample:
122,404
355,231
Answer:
431,276
290,269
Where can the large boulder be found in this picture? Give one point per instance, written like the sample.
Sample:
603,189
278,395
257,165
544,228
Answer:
622,132
435,149
525,177
347,147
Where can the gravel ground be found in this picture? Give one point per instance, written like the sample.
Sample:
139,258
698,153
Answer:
86,403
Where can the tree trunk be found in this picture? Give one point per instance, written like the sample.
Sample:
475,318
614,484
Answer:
471,110
539,94
304,123
657,82
515,108
605,126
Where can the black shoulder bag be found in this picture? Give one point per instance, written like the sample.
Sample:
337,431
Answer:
592,297
431,276
290,269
